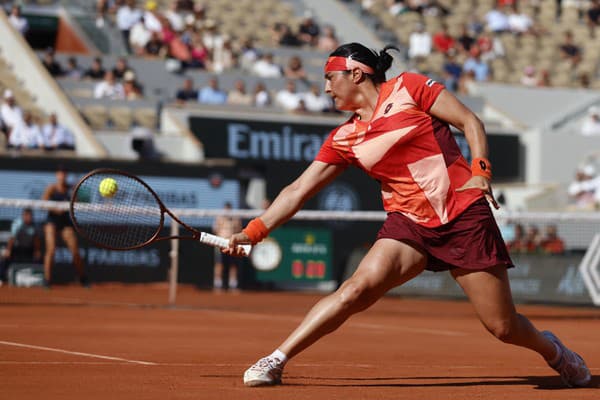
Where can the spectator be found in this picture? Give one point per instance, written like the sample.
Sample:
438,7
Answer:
533,239
199,52
139,36
223,57
127,16
131,88
569,50
155,46
465,40
10,113
265,67
152,19
59,224
477,65
294,69
308,31
27,134
593,17
529,76
451,71
186,92
551,243
121,68
73,70
53,67
262,97
17,20
582,191
213,39
328,41
175,17
443,41
248,54
519,23
24,244
57,136
315,100
109,88
518,243
288,98
544,80
497,20
211,94
419,43
591,123
490,46
225,226
239,95
287,37
96,70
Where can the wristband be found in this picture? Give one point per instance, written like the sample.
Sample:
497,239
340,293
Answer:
256,230
481,167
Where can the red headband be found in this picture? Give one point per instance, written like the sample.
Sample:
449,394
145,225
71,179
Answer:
337,63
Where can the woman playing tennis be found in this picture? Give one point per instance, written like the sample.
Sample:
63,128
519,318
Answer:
438,217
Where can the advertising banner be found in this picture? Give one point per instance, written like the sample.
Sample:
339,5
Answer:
294,256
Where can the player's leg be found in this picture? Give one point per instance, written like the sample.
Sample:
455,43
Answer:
70,238
388,263
50,243
489,293
218,270
232,280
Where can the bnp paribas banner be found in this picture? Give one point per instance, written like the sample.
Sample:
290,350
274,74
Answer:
294,256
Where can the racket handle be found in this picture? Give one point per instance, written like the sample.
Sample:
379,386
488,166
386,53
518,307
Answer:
218,241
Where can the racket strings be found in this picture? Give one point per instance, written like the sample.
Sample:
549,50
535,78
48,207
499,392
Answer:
127,218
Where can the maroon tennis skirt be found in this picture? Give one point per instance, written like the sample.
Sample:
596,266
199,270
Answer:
471,241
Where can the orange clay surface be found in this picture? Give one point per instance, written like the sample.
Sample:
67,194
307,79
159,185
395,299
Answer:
123,342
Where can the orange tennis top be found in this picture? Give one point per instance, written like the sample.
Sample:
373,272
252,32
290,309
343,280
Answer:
411,153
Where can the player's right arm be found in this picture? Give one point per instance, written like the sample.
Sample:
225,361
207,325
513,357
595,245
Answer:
292,197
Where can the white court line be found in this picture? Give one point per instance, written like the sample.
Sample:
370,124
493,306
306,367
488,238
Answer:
76,353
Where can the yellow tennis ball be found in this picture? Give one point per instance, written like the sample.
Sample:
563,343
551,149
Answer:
108,187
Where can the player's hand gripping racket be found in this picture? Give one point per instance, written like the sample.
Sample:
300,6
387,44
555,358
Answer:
118,211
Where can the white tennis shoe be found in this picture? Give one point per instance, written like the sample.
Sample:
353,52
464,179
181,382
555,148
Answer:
265,372
571,367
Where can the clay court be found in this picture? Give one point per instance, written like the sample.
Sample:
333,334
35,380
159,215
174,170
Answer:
124,342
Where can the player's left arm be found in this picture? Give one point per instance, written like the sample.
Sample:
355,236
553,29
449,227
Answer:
448,108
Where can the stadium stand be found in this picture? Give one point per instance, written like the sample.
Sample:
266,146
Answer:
532,37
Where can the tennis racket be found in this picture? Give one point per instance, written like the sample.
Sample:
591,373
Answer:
118,211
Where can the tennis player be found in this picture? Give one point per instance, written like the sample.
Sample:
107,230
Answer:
59,222
438,217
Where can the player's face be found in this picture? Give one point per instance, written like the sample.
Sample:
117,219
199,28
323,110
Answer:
341,88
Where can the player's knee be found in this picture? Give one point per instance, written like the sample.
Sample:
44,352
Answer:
355,295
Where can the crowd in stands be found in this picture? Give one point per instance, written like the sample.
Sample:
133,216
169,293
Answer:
22,129
184,34
531,241
288,98
475,49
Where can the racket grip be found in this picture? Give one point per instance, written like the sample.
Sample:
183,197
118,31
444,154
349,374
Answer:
218,241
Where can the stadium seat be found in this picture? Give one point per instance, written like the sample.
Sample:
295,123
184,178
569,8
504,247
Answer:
145,117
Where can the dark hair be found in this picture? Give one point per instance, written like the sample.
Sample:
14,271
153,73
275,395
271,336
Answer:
380,62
